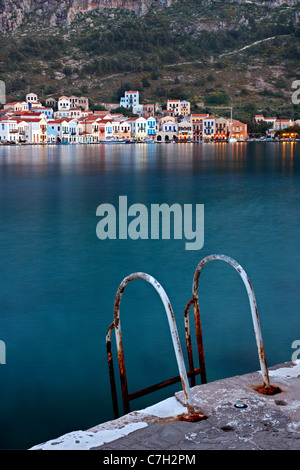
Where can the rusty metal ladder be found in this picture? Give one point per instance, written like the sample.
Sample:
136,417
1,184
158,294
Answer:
191,415
266,388
183,376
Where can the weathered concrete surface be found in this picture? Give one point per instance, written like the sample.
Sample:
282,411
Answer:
267,423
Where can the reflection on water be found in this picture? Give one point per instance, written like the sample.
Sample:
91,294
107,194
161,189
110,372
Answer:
140,157
58,280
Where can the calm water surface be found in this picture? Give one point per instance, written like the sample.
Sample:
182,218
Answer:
58,280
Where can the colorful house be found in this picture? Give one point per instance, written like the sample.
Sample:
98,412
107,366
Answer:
239,130
124,130
130,99
167,132
185,131
37,132
9,130
151,126
63,103
222,129
209,128
179,108
138,127
197,126
281,124
48,112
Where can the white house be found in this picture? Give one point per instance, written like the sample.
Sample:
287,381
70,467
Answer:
151,126
138,127
73,131
63,104
31,98
23,128
80,132
169,126
9,130
37,132
108,130
179,108
61,127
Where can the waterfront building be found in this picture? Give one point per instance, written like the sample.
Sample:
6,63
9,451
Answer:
37,132
222,129
108,130
185,131
138,127
23,130
124,130
51,135
151,126
168,131
209,128
73,131
91,127
238,130
9,130
197,126
61,126
80,131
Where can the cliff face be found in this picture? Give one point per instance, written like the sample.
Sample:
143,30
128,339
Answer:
14,12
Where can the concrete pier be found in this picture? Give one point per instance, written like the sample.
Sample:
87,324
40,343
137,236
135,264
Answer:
237,417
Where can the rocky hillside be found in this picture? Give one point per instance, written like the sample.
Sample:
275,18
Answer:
54,12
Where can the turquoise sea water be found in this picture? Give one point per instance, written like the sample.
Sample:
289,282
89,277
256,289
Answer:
58,280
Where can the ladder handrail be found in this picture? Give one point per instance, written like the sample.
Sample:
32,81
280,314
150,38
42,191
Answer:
174,334
254,312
